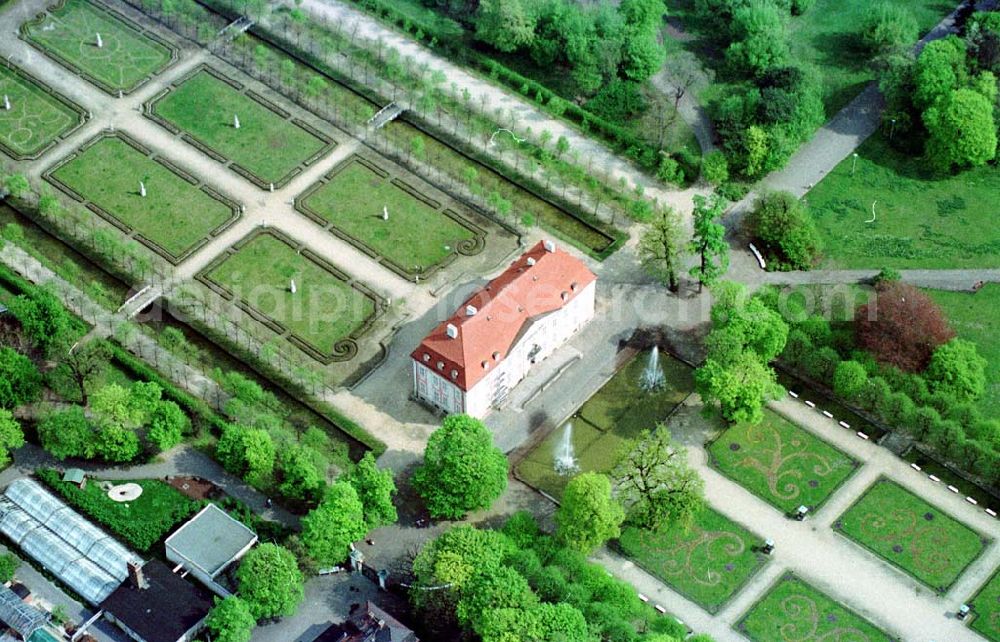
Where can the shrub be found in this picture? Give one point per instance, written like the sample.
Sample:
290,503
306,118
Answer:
887,275
904,329
887,27
8,566
618,100
957,369
669,171
715,168
849,379
20,381
67,433
785,230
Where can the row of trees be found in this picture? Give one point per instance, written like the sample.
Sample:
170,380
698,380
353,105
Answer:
946,98
662,248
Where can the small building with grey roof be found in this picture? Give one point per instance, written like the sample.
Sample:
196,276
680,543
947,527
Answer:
208,544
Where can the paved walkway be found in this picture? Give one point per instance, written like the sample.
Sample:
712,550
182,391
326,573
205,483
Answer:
964,280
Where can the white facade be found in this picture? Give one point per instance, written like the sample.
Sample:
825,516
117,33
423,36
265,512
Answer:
539,338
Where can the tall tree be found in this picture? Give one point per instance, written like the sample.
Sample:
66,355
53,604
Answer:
462,469
84,364
248,452
20,381
654,481
43,318
962,130
270,581
709,241
67,433
589,515
11,436
660,247
956,368
230,620
901,326
375,488
329,529
508,25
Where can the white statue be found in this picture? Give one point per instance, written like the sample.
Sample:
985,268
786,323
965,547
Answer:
236,121
292,287
142,189
100,43
385,213
6,102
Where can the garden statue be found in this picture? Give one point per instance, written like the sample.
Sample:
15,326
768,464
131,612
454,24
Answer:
385,213
100,43
6,102
292,287
236,121
142,189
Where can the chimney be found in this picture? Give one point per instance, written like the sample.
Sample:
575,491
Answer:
451,331
470,310
549,246
531,261
381,624
136,576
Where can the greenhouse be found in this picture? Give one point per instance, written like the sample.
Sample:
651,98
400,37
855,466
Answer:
83,556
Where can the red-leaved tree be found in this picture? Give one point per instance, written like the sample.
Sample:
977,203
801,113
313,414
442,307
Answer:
902,326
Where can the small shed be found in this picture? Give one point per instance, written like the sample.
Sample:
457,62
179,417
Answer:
75,476
208,544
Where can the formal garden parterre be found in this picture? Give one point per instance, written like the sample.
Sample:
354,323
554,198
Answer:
230,122
176,215
323,310
126,57
37,117
911,534
781,463
708,560
985,604
794,611
412,233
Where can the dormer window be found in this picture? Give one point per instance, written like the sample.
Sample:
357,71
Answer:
496,355
440,365
454,374
565,296
573,286
427,357
486,365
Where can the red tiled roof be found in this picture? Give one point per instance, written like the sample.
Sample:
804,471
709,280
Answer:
538,282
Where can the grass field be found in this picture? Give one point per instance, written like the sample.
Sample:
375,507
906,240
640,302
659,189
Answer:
708,561
793,611
976,317
618,411
923,220
266,144
781,463
324,309
416,237
912,534
35,118
126,58
986,609
174,214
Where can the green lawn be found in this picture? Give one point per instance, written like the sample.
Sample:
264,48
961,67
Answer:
126,58
416,237
324,309
912,534
922,219
266,144
35,118
976,317
826,36
174,214
620,410
708,561
781,463
986,609
140,523
793,611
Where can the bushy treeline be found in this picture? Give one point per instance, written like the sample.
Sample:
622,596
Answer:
903,365
518,583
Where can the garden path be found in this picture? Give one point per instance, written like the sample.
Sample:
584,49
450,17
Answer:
965,279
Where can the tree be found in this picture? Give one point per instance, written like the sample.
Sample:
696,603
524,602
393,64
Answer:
715,168
11,436
375,488
462,469
741,387
504,588
115,443
940,70
167,425
642,54
507,25
962,132
329,529
84,364
957,369
901,326
785,230
42,317
660,247
67,433
16,185
302,480
687,75
230,620
760,41
709,241
588,516
247,452
887,27
849,379
270,581
20,381
654,481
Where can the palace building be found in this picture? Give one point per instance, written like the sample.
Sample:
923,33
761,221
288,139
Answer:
470,362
